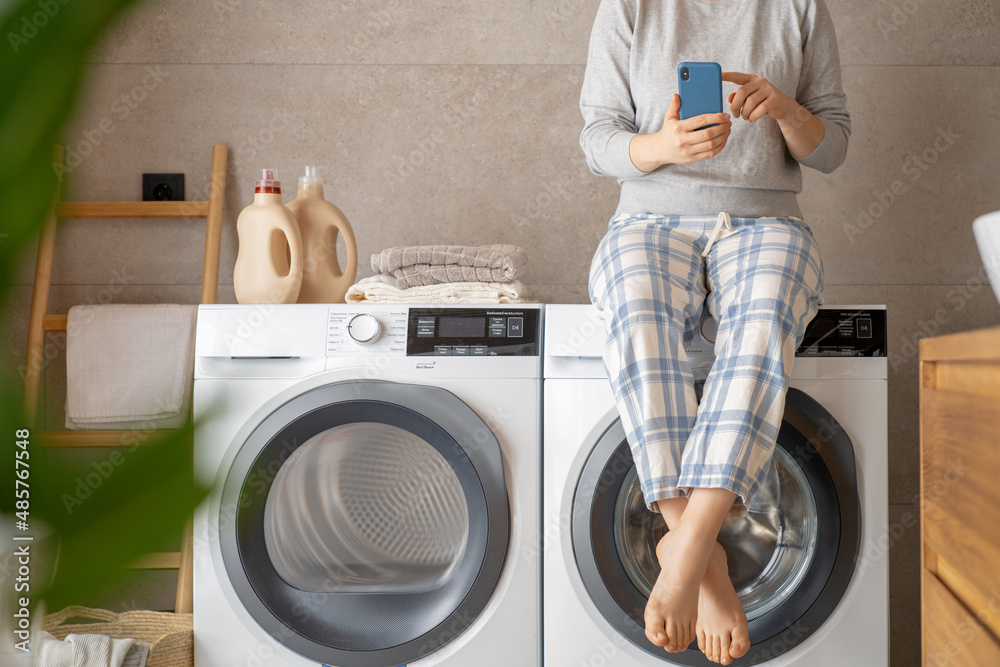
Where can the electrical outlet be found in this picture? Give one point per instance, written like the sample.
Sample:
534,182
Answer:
163,187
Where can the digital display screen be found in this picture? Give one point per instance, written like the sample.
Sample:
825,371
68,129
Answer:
461,327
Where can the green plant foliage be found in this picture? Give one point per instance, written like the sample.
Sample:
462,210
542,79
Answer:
143,502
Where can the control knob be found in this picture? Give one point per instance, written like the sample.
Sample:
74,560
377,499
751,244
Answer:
364,329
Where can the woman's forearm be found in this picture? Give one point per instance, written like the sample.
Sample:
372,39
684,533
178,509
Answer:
644,152
803,131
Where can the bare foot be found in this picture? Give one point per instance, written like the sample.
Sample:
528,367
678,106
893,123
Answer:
722,625
672,610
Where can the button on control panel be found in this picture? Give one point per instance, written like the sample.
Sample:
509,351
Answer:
498,327
425,327
515,327
864,325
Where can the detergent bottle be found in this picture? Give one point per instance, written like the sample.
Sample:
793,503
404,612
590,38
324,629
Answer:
269,262
320,221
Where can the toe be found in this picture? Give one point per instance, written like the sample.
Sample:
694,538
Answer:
656,637
672,635
678,634
724,645
740,644
655,630
701,641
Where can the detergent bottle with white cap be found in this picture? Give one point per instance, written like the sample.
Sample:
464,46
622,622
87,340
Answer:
270,259
320,221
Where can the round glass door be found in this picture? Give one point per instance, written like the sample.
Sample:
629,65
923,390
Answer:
769,550
366,507
790,558
371,522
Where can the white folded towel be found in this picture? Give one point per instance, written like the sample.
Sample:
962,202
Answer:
381,289
79,651
129,366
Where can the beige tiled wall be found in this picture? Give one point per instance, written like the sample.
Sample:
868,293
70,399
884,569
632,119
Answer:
457,122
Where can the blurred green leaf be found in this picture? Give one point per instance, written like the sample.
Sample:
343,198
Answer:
143,503
132,501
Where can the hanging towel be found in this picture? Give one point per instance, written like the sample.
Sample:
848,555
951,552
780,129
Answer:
412,266
79,651
129,366
378,289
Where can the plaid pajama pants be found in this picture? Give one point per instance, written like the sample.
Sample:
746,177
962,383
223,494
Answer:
651,277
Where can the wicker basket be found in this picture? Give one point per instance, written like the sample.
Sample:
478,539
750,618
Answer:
171,636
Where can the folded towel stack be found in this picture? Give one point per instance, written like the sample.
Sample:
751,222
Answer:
444,274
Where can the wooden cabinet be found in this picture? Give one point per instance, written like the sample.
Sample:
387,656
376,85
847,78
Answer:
960,499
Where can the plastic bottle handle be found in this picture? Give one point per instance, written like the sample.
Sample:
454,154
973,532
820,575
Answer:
294,239
351,244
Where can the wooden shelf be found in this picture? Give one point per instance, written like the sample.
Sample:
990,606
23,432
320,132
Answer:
54,322
102,210
89,439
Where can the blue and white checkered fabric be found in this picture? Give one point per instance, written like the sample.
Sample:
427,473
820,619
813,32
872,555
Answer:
762,282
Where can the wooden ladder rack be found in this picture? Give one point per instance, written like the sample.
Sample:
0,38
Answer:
41,322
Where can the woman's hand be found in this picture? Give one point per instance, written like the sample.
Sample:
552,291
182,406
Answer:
680,141
757,97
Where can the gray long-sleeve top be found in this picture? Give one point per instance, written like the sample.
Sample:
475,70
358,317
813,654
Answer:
631,76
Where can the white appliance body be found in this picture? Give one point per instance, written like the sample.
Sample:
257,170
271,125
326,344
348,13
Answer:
254,363
578,408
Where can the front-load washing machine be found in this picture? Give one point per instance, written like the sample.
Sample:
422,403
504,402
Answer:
805,559
375,485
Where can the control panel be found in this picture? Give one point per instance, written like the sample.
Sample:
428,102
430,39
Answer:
472,332
846,333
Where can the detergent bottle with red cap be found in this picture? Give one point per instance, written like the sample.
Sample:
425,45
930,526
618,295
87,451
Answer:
270,260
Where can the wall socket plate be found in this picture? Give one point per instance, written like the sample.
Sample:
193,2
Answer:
163,187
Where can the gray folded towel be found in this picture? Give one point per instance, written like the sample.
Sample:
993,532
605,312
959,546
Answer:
413,266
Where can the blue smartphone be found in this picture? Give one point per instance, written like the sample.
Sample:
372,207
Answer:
700,88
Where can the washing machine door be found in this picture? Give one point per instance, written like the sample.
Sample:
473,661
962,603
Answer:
366,523
791,557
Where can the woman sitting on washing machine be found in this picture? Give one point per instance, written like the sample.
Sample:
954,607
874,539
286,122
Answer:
673,248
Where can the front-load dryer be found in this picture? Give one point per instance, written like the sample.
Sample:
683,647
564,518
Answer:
807,560
375,485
